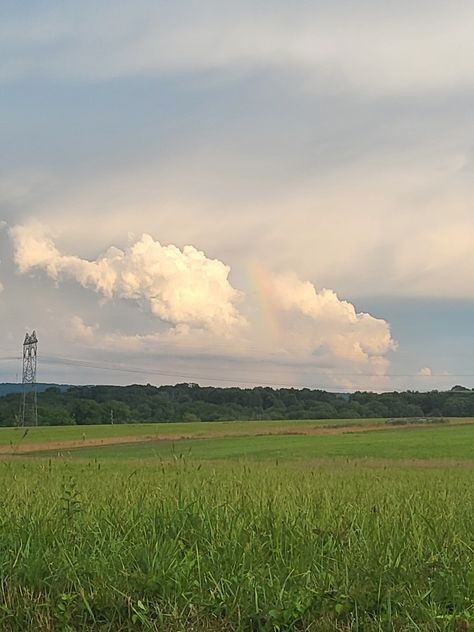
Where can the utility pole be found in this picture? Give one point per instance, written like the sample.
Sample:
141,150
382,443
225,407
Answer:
29,398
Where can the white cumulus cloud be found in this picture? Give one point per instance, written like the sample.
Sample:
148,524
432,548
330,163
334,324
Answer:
333,323
425,372
179,286
80,331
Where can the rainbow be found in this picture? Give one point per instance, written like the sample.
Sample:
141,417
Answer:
260,283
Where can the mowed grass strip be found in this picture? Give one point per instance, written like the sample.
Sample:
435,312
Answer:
20,440
48,434
228,546
441,442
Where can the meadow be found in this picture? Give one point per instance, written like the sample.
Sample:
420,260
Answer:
340,529
13,436
430,443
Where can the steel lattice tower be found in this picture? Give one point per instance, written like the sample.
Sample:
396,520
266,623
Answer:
29,399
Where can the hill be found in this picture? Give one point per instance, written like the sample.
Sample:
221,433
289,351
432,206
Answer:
6,388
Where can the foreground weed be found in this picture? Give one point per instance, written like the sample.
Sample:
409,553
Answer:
70,499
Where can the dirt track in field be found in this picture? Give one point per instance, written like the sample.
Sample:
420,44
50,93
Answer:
43,446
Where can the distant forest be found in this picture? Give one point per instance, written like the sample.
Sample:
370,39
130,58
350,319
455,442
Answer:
191,402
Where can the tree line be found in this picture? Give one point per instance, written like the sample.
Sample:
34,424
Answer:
191,402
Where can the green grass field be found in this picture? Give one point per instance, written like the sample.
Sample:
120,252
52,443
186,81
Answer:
242,533
445,442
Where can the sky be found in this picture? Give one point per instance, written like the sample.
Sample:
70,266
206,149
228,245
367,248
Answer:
238,192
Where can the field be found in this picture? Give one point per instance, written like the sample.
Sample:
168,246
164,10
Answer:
18,438
238,526
445,442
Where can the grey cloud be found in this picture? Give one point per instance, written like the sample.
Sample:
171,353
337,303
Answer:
360,45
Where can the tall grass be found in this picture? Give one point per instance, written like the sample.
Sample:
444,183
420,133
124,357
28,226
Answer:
189,546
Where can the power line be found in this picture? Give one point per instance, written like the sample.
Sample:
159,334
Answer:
73,362
101,366
184,376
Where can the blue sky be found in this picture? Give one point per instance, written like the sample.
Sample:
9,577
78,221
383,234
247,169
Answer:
238,192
